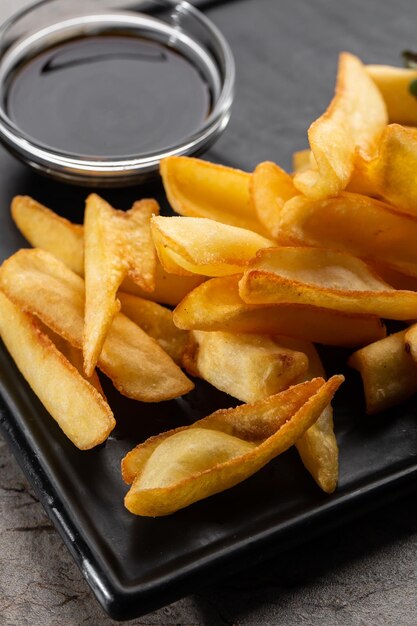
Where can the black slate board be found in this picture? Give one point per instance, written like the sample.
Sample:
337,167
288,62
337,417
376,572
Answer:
286,54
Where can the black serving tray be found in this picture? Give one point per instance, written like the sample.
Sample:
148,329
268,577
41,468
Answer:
286,65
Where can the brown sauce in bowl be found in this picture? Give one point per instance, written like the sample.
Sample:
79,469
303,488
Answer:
108,95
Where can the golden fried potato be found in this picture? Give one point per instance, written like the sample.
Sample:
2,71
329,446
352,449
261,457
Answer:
394,84
358,182
396,279
78,408
135,363
246,366
216,305
157,322
203,246
46,230
116,244
179,467
354,224
390,173
324,278
270,188
72,354
353,123
317,448
410,340
388,372
197,188
253,367
303,160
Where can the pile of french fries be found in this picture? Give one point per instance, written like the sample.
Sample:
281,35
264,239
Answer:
259,267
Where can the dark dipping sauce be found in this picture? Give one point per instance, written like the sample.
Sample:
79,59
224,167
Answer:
109,95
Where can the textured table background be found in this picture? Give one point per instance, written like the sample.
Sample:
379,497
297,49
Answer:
362,573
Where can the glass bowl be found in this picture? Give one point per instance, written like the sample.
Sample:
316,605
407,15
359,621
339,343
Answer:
175,29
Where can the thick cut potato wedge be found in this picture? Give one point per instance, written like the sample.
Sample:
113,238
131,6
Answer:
203,246
72,354
246,366
157,322
46,230
353,122
394,84
411,341
389,374
358,182
270,188
354,224
169,288
216,305
253,367
197,188
135,362
396,279
324,278
303,160
391,172
78,408
318,447
182,466
116,244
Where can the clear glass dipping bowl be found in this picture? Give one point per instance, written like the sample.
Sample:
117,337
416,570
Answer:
177,25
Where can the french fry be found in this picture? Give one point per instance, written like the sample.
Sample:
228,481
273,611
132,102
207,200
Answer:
46,230
358,182
157,322
248,367
394,83
388,372
116,244
72,354
324,278
303,160
353,123
197,188
179,467
411,341
253,367
354,224
203,246
270,188
78,408
216,305
389,173
136,364
169,288
171,262
396,279
250,422
317,448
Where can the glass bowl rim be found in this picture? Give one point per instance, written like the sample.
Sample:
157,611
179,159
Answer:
84,168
